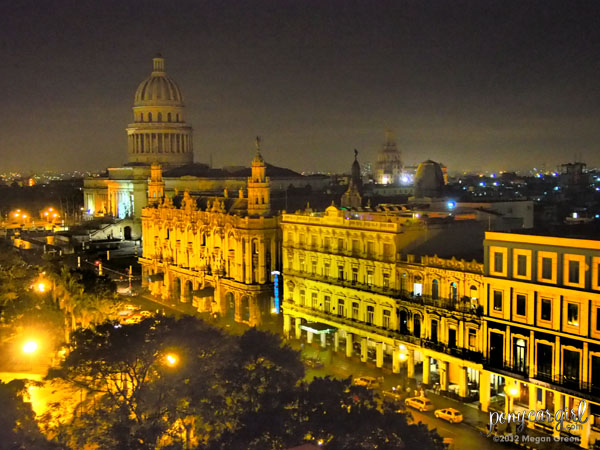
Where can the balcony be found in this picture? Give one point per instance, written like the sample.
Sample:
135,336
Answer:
462,353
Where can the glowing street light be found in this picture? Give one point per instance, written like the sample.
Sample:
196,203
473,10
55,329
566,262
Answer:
30,347
41,287
402,356
171,359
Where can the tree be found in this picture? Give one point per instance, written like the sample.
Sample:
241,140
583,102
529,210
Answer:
18,429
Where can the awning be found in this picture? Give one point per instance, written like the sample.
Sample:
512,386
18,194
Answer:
160,276
318,328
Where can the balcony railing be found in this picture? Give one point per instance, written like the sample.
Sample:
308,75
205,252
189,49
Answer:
399,294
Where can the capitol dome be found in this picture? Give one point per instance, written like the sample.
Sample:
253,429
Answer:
158,88
159,133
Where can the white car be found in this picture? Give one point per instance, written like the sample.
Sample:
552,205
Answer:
421,403
368,382
450,414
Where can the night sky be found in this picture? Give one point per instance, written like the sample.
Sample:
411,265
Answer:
474,84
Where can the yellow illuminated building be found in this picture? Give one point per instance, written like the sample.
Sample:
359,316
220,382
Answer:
520,331
219,257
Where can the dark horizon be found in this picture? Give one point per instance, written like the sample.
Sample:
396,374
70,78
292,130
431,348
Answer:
475,85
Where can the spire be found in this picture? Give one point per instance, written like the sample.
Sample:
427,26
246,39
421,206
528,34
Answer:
258,157
158,63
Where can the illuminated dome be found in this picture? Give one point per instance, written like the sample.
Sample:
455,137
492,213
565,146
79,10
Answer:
158,88
429,180
159,133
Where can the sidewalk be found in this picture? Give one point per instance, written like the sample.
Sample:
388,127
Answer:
338,365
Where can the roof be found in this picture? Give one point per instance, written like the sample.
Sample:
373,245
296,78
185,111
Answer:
202,170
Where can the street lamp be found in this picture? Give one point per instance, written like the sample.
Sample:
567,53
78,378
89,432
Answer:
171,359
30,347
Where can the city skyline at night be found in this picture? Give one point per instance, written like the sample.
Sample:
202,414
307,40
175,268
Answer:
475,85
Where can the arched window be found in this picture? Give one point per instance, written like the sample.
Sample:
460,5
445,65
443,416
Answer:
435,289
160,117
168,117
453,291
149,117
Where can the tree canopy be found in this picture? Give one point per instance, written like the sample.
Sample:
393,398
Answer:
168,383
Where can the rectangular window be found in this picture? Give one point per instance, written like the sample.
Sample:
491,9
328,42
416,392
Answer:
327,304
326,269
301,239
355,246
522,265
369,277
597,319
547,268
386,280
521,305
497,300
341,274
498,262
544,361
314,300
434,330
302,264
341,308
370,248
302,298
452,337
573,314
340,244
370,314
573,271
571,367
313,267
387,250
386,318
472,338
326,243
546,313
355,311
354,275
313,241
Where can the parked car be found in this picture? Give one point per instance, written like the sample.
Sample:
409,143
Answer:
368,382
394,395
450,414
421,403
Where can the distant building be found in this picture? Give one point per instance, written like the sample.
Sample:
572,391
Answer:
389,162
352,198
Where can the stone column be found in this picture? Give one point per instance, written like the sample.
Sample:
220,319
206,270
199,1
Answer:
309,337
297,328
364,356
396,360
287,325
558,404
426,367
261,261
248,262
349,348
324,340
410,364
585,433
443,375
379,354
484,390
462,382
532,402
336,341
